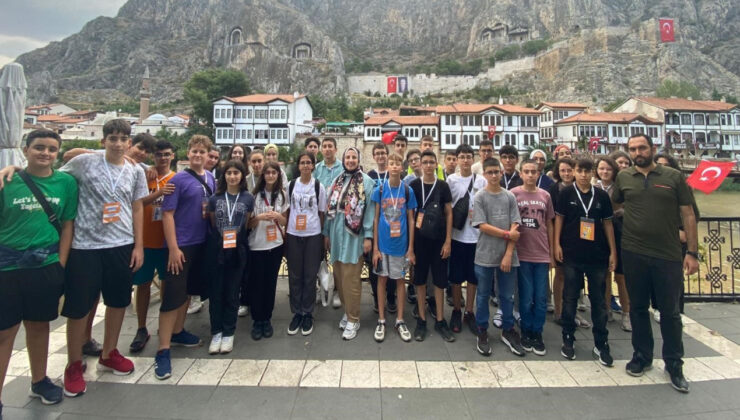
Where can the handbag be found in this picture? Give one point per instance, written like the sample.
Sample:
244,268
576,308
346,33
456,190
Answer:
461,208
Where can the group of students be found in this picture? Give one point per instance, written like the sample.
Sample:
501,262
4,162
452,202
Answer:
106,221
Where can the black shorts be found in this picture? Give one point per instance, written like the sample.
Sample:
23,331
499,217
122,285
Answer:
428,258
92,271
30,294
462,263
189,281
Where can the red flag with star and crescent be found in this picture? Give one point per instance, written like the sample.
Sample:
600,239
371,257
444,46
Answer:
666,30
709,175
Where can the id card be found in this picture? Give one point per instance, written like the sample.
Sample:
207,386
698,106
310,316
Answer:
396,229
204,208
271,233
111,212
229,238
156,213
419,219
470,216
587,229
300,222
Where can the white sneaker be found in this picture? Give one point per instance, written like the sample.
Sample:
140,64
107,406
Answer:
626,323
582,322
336,303
517,316
343,322
243,311
227,344
656,315
380,332
584,303
350,332
498,319
195,305
403,331
215,347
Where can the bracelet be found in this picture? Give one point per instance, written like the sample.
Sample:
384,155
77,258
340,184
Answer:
506,235
693,254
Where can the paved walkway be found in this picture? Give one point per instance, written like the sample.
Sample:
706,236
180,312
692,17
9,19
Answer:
298,377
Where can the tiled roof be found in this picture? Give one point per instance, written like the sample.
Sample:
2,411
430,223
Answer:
681,104
478,108
404,120
568,105
263,98
607,117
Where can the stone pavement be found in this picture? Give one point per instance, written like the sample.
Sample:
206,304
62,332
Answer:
301,377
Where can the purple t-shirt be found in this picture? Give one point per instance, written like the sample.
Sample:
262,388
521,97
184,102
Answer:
187,202
535,209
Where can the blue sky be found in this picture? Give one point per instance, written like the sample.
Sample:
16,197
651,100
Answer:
29,24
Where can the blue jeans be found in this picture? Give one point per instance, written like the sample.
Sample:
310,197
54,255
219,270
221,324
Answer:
533,295
506,284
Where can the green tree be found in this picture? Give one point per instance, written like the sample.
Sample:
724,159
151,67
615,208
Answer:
679,89
207,85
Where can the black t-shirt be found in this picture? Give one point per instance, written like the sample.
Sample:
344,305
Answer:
554,191
440,195
514,181
579,250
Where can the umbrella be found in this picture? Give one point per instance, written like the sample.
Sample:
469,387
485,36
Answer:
12,109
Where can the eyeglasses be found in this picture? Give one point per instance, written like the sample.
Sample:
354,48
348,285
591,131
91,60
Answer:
492,173
414,160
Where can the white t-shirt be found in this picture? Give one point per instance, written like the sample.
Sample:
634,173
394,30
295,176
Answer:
304,204
458,187
258,236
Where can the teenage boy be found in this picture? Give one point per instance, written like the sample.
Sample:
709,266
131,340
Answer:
509,157
464,186
584,243
32,255
450,163
432,242
496,215
485,151
393,242
185,223
400,142
534,248
155,251
214,157
106,250
427,143
312,145
142,146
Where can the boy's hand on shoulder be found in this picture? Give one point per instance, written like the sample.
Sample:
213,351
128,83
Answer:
6,174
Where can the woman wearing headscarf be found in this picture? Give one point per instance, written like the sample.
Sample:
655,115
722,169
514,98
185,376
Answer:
348,233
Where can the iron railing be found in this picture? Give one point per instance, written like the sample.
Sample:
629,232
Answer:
719,268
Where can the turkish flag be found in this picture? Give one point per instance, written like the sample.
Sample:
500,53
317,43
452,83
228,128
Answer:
392,84
593,144
666,30
389,137
491,132
709,175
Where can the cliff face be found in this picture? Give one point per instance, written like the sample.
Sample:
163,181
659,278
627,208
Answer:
604,48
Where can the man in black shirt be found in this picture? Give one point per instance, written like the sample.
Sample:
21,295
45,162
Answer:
509,157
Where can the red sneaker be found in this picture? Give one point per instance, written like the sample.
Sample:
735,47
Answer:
116,363
74,383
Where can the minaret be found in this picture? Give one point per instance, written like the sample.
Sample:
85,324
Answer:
144,96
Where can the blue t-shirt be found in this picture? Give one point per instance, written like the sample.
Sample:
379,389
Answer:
187,202
393,206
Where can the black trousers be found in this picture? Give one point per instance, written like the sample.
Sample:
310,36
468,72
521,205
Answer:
646,276
573,284
263,281
224,295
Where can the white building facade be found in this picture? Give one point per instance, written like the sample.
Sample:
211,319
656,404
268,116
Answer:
413,127
553,112
504,124
612,129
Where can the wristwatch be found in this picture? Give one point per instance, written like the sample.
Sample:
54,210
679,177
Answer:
693,254
506,235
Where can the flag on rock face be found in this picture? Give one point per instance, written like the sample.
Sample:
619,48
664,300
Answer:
709,175
666,30
392,84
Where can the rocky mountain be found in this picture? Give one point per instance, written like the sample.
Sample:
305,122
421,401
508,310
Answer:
602,49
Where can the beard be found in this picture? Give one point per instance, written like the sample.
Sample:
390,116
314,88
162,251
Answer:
643,162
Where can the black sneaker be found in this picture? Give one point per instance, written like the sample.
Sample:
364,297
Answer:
469,320
421,330
92,348
432,307
47,392
456,321
140,340
527,341
603,355
307,324
410,294
567,350
637,367
267,329
538,346
512,340
444,331
295,324
678,382
257,332
483,347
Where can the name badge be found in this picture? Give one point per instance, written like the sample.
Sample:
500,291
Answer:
204,208
156,213
587,229
419,219
111,212
271,233
396,229
300,222
229,238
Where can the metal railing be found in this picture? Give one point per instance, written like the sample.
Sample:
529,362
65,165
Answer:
719,268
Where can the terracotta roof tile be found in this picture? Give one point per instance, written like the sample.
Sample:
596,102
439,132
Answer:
263,98
568,105
478,108
681,104
607,117
404,120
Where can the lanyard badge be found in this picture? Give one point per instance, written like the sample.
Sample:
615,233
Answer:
587,226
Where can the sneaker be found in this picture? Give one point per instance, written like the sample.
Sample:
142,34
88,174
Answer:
482,344
391,305
47,391
498,319
550,305
74,383
243,311
581,322
603,355
517,316
527,341
162,365
494,301
614,305
567,350
257,331
227,344
92,348
215,346
411,294
295,324
343,322
637,367
432,307
267,329
185,339
140,340
336,303
307,324
350,332
584,303
469,320
379,332
421,330
116,363
450,299
456,321
403,331
656,315
678,382
538,345
195,305
626,323
513,341
444,331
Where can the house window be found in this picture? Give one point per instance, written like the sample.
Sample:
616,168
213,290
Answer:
238,134
249,114
699,119
282,114
285,133
497,141
510,121
685,119
228,113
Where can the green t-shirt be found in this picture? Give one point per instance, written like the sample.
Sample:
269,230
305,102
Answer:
652,214
24,224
